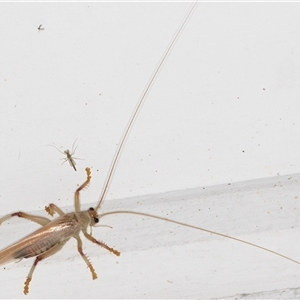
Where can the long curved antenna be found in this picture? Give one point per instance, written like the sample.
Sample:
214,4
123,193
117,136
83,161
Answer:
55,148
198,228
137,109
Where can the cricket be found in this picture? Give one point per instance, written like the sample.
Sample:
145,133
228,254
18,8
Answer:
54,233
69,155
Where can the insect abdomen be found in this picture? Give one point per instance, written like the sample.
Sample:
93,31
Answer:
59,231
35,249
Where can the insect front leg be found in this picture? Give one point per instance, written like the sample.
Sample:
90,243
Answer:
84,185
79,247
101,244
52,208
37,219
48,253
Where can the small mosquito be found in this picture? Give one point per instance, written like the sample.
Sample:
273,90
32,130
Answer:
40,28
69,155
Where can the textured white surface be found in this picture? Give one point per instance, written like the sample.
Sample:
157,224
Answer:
163,260
225,108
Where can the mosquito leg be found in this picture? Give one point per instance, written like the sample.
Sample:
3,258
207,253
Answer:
79,247
101,244
74,150
52,208
37,219
65,159
84,185
50,252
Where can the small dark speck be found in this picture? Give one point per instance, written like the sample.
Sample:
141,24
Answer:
203,188
264,89
244,295
229,183
238,97
40,28
280,207
243,151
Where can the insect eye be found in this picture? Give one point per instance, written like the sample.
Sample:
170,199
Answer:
96,220
91,209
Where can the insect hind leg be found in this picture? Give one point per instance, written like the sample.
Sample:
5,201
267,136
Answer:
37,219
46,254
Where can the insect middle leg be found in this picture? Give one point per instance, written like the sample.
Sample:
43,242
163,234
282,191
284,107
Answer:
79,247
101,244
50,252
37,219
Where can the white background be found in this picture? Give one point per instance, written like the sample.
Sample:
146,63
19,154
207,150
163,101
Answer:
225,108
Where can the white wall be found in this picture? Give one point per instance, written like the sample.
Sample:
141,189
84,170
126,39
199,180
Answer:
225,107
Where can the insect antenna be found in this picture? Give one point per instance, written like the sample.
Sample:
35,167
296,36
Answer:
55,148
198,228
137,109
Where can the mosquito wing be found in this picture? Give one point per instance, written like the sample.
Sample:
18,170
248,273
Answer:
72,162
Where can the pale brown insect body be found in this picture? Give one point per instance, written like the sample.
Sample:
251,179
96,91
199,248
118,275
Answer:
53,235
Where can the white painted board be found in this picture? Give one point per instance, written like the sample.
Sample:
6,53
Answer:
163,260
224,109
